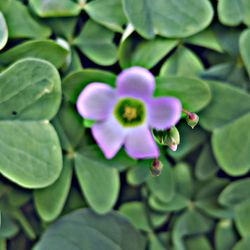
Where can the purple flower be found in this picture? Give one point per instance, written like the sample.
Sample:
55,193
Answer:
125,115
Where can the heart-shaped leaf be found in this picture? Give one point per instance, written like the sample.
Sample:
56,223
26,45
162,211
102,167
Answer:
242,219
168,18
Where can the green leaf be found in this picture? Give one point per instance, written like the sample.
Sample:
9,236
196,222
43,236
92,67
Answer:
190,223
232,13
8,227
108,13
148,53
141,217
233,156
242,219
68,125
190,140
50,201
245,49
206,166
235,193
139,173
163,186
101,51
21,24
183,180
99,183
55,8
242,244
30,153
178,202
84,229
3,31
194,94
198,242
43,49
76,81
225,235
168,18
177,64
30,90
207,39
228,104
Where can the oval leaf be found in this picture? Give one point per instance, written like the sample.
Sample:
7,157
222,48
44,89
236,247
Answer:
99,183
30,153
49,201
231,146
43,49
30,89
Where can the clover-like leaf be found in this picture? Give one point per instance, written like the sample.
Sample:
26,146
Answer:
231,146
82,230
30,89
55,8
168,18
96,42
30,153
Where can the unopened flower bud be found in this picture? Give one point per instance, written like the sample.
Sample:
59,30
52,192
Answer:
172,139
156,167
192,119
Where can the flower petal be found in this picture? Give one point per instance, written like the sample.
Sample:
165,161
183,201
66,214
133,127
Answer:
135,82
109,135
140,144
164,112
96,101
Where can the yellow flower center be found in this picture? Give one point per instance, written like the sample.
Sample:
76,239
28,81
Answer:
130,113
